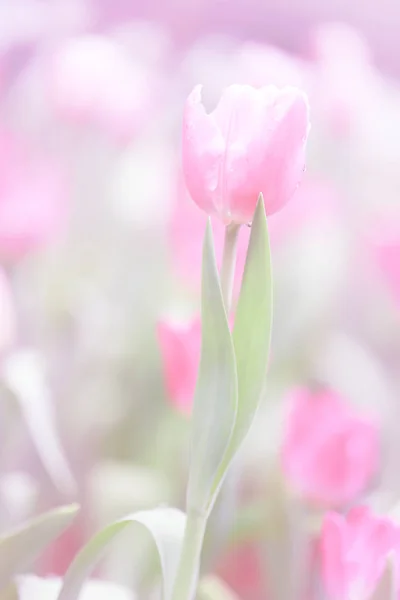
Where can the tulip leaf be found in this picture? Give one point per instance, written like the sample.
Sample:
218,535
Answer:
19,548
252,330
165,525
215,400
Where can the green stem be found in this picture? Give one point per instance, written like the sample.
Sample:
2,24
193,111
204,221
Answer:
189,565
229,263
185,586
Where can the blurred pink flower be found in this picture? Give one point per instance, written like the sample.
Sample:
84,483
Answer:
32,199
93,80
180,346
57,557
7,314
254,141
329,453
241,569
354,550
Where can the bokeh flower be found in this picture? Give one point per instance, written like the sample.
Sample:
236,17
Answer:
354,550
180,345
254,141
33,199
92,80
330,453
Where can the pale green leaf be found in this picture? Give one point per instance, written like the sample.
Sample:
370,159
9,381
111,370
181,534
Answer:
252,330
215,401
19,548
165,525
213,588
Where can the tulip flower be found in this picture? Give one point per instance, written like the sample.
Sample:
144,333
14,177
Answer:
254,141
329,453
354,550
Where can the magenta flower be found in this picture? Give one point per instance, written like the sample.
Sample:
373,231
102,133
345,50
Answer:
180,349
354,550
254,141
329,453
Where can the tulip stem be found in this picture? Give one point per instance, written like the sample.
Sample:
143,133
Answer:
185,587
229,264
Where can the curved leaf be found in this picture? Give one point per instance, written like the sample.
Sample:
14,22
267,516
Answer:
165,525
24,375
215,401
252,330
19,548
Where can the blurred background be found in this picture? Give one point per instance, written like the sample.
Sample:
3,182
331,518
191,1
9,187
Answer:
100,250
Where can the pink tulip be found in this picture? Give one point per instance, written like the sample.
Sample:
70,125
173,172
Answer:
180,346
92,80
32,199
354,550
254,141
7,315
329,453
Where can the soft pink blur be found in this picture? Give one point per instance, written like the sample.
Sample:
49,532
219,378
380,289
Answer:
93,81
254,141
329,452
343,87
242,570
33,199
180,345
384,249
354,550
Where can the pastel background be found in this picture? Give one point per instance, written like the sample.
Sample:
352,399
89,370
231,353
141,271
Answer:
100,251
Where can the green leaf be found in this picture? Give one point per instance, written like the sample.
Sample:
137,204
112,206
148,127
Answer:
215,400
213,588
252,330
165,525
19,548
